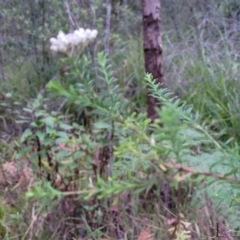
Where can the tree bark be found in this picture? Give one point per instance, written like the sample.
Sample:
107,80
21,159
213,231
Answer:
152,46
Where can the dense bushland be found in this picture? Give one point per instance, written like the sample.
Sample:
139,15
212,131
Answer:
79,157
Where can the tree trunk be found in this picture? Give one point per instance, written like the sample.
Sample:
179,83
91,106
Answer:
152,46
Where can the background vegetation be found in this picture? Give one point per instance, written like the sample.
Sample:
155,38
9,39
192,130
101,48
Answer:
80,159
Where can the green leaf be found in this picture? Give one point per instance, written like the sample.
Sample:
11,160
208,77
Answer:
60,140
63,135
102,125
36,104
65,126
48,141
40,135
49,121
36,124
78,155
27,133
39,114
51,131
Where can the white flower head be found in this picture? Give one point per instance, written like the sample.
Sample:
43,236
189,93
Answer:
79,37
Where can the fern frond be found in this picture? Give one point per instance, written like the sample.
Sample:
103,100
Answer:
167,98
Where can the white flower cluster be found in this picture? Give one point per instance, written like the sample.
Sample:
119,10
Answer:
65,42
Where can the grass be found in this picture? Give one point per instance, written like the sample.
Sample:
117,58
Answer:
25,77
209,80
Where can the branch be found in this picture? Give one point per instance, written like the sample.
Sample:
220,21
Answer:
108,26
70,16
180,168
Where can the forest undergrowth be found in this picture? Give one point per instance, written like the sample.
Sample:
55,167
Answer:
113,174
79,158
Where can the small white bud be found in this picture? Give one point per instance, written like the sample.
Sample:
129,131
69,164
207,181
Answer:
60,34
76,32
67,39
53,41
94,33
152,142
62,37
54,48
80,35
75,40
88,33
62,47
81,30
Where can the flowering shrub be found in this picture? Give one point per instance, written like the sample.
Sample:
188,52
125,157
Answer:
67,42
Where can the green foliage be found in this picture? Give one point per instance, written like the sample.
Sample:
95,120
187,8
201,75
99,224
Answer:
2,228
141,151
92,153
213,93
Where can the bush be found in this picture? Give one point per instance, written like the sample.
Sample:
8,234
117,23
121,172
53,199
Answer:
92,179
